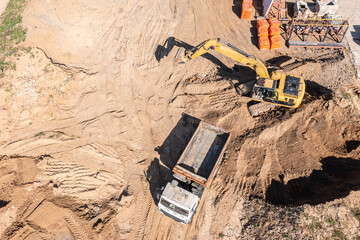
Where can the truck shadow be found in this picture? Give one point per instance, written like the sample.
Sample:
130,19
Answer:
175,143
157,175
338,177
160,170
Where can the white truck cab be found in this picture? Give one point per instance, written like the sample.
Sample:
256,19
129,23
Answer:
178,203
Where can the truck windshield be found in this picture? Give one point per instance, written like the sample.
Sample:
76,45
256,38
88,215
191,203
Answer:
174,208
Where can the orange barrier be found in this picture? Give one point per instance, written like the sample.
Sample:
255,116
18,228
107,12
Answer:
274,31
274,22
246,11
248,1
275,42
264,43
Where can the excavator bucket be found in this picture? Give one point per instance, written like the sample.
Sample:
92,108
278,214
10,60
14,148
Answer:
180,56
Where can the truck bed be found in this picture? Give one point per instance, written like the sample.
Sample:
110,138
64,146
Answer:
203,153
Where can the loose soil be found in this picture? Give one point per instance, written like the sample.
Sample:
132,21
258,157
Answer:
92,124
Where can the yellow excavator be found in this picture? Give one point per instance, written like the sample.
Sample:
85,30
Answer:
279,89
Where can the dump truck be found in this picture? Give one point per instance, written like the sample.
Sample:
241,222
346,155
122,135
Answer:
193,172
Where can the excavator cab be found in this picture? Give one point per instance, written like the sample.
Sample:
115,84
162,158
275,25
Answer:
287,90
265,90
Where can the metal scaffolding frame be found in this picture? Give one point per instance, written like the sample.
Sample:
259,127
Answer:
324,33
279,10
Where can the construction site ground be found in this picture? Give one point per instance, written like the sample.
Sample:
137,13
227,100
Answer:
350,10
92,126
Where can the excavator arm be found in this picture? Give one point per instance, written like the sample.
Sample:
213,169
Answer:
226,49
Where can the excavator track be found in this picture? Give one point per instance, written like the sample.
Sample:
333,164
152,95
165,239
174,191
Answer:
260,108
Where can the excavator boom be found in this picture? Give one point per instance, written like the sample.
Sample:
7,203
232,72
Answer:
224,48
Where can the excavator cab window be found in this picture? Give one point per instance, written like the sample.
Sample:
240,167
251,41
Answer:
270,94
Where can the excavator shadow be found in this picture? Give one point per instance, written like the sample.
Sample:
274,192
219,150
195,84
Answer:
316,91
160,170
164,50
278,61
171,42
237,74
338,177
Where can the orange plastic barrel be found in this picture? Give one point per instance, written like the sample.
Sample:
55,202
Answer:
274,31
264,43
275,42
261,31
246,11
248,1
262,28
274,22
262,23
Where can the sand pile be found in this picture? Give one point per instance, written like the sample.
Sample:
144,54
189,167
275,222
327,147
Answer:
90,122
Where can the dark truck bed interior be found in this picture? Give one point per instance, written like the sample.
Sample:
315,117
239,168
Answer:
203,151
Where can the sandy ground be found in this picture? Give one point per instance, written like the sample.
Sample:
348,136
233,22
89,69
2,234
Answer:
91,128
3,5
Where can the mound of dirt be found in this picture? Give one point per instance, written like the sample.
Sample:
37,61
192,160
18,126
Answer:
298,157
94,110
